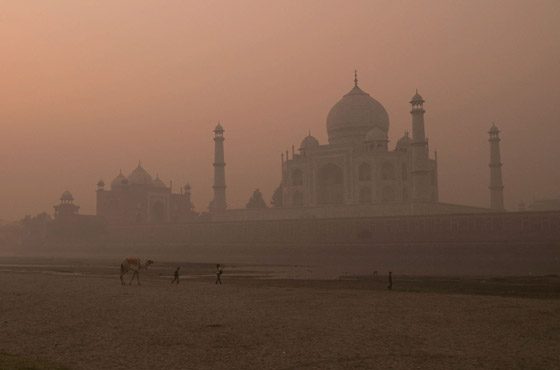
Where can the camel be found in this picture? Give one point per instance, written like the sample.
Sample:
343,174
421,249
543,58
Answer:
133,264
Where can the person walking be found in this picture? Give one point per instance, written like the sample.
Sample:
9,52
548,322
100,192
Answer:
176,276
218,274
390,287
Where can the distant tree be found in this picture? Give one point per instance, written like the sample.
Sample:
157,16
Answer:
11,233
37,223
35,228
256,200
277,197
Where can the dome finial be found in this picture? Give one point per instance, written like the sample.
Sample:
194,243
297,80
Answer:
355,77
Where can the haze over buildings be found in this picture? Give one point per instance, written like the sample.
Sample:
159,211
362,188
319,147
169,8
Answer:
88,89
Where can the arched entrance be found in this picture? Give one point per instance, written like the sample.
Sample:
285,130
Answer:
330,185
157,213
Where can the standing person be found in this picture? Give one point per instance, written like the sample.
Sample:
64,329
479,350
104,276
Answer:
390,287
218,274
176,274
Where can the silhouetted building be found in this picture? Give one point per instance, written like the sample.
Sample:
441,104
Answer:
545,205
356,166
138,198
69,226
66,209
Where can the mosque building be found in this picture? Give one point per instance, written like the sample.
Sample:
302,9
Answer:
138,198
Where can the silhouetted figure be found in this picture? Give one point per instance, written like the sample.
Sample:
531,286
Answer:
176,278
390,287
218,274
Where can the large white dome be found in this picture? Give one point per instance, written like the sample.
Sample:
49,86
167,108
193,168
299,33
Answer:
354,116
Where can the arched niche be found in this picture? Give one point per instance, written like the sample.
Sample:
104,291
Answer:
297,177
157,212
330,185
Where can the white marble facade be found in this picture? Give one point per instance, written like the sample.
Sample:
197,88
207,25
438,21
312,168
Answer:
357,166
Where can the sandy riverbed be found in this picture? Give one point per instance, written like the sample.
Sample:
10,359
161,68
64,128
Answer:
76,313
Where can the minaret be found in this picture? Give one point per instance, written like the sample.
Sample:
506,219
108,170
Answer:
219,202
419,148
187,195
496,186
99,198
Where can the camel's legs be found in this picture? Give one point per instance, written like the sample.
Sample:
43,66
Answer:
122,280
133,275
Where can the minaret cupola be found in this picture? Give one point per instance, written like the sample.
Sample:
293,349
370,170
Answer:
417,102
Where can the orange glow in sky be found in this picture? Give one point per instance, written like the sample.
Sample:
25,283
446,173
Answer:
90,87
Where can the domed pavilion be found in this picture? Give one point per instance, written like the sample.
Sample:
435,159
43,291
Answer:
139,198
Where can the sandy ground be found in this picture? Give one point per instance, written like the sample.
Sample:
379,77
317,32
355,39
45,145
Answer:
76,313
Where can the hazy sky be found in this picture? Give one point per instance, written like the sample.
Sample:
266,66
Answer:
91,87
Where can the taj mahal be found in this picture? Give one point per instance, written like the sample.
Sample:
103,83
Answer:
355,174
357,167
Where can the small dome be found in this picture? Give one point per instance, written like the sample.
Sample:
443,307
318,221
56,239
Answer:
493,129
309,142
140,177
376,134
66,196
158,183
404,142
417,98
188,187
219,128
354,116
120,180
101,183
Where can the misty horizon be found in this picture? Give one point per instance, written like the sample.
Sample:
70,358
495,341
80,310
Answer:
91,89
